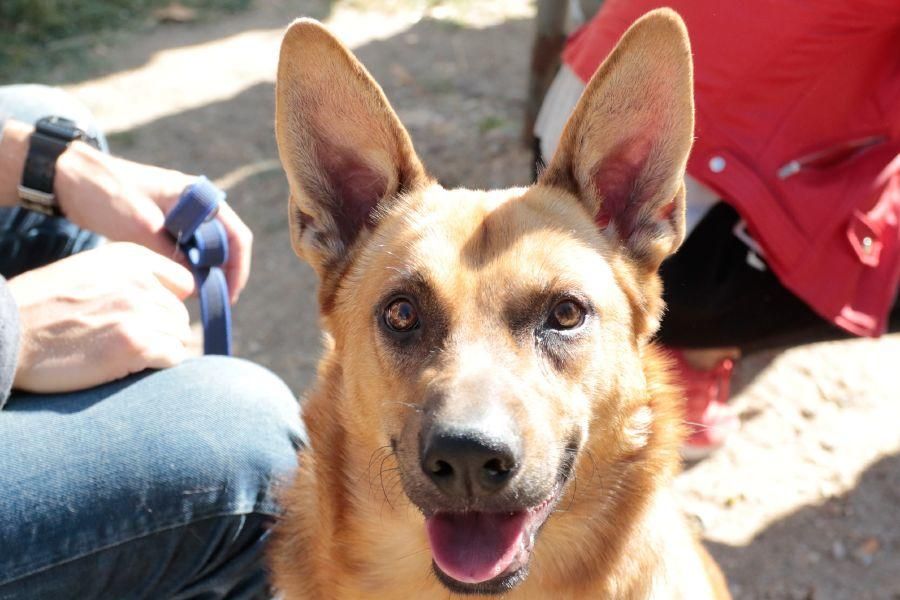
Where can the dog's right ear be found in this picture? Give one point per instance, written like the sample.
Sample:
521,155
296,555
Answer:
342,146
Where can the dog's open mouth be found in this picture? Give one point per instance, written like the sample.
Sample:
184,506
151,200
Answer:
482,551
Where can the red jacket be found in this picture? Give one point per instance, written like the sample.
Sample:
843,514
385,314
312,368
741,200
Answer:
798,127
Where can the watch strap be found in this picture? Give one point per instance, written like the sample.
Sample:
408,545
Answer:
51,137
36,191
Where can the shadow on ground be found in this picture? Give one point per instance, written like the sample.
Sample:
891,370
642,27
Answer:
843,548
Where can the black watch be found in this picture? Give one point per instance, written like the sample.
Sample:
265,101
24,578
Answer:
51,137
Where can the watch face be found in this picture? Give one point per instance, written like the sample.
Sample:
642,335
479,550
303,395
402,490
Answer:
59,128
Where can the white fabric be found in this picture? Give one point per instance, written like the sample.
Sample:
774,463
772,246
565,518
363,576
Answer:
558,104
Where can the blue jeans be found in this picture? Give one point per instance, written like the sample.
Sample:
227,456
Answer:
157,486
161,485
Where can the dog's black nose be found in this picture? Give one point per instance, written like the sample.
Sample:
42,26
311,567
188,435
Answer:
468,463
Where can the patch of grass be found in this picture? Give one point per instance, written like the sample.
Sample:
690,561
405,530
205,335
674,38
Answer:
451,22
34,21
122,139
34,33
490,123
439,85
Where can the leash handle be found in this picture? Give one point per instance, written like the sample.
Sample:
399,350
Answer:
203,240
199,202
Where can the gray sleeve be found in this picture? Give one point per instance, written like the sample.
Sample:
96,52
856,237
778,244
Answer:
9,341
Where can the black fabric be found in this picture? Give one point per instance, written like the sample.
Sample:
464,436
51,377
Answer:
537,162
29,240
716,299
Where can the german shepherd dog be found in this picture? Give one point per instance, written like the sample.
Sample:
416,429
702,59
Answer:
490,415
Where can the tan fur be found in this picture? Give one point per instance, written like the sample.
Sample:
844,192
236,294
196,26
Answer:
350,530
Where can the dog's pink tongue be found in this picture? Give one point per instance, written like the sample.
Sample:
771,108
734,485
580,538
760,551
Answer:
474,547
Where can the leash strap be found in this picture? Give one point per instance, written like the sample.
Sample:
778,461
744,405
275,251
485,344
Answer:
204,242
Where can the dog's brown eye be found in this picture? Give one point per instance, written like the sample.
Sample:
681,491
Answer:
401,316
567,314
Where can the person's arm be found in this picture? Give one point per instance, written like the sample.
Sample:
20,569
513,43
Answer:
99,315
62,328
120,199
9,341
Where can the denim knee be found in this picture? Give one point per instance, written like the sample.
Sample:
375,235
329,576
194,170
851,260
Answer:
220,557
100,469
239,431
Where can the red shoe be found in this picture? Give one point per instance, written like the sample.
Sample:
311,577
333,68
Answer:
709,417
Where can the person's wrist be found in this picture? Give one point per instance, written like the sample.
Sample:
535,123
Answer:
73,165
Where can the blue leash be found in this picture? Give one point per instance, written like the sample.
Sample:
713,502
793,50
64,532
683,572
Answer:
202,238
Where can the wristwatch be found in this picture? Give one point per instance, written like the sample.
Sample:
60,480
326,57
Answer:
51,137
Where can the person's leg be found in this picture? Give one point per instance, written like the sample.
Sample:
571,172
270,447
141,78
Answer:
158,486
717,298
723,301
28,239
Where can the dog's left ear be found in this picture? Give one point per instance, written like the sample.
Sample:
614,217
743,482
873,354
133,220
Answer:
625,147
342,146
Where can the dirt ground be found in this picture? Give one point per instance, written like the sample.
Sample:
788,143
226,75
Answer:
803,503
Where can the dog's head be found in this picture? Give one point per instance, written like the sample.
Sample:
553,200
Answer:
487,336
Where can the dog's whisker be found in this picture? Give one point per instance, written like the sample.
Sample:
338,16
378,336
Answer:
378,452
381,478
415,553
392,502
375,454
410,405
590,455
574,491
394,485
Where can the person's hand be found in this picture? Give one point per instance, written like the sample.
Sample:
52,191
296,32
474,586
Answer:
128,201
98,316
